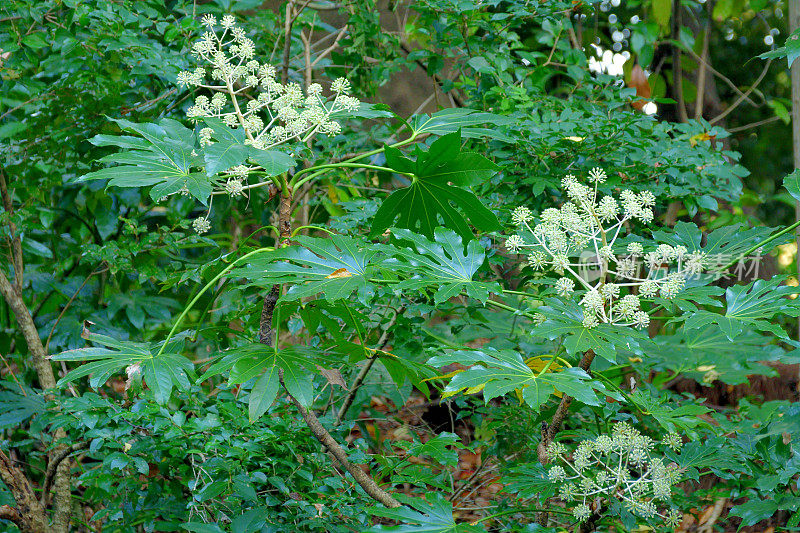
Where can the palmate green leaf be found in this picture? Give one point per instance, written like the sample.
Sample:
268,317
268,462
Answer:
422,516
272,161
18,403
264,362
684,416
688,299
431,201
442,263
722,245
529,481
755,509
499,372
336,267
565,319
696,351
790,50
754,305
162,158
223,155
161,373
450,120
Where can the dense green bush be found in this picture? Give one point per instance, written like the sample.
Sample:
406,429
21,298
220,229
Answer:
240,297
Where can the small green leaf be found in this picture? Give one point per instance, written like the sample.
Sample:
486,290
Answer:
224,155
662,12
272,161
792,184
263,395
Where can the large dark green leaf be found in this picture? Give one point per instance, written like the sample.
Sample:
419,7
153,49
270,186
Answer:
421,516
431,201
264,362
467,120
161,372
442,263
499,372
230,150
694,352
164,158
336,267
272,161
753,305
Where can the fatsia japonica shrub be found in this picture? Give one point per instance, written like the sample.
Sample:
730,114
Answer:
321,308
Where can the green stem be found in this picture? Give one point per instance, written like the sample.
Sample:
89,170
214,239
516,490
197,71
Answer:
203,290
515,511
321,169
325,168
752,249
320,228
521,293
500,305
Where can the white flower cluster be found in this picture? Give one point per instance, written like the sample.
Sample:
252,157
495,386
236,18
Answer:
620,466
278,113
610,284
245,94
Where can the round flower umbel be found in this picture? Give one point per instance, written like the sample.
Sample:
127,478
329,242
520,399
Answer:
622,466
579,242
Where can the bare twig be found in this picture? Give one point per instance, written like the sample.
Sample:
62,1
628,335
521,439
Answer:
16,242
26,102
701,76
69,302
287,39
362,375
677,69
331,48
754,124
741,99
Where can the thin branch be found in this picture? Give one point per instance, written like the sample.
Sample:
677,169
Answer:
677,69
23,104
741,99
363,479
332,47
362,375
549,433
287,40
16,242
754,124
69,302
308,75
701,76
436,78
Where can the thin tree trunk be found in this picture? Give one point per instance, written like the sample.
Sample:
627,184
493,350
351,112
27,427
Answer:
794,23
12,294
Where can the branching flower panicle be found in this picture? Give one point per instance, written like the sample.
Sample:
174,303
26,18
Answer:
623,466
245,94
579,242
275,113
